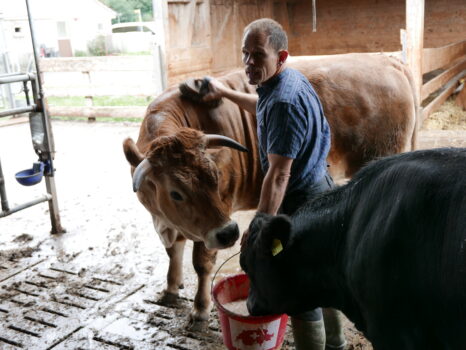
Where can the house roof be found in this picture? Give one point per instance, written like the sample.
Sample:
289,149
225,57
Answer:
106,8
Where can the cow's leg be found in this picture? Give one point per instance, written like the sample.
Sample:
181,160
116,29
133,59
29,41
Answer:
175,271
203,261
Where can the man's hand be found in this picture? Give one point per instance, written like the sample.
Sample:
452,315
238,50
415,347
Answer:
217,90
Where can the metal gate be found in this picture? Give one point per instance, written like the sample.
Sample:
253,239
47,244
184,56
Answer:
42,140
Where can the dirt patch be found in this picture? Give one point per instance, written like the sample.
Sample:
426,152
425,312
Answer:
110,233
18,253
24,238
449,116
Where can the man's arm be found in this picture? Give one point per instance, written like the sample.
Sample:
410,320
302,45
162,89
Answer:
273,188
275,183
244,100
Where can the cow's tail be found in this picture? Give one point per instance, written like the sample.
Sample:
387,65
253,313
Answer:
417,109
417,117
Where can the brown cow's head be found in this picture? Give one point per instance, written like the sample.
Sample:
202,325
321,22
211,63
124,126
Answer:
179,182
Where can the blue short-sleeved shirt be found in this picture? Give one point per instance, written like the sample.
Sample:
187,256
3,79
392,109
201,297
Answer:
291,123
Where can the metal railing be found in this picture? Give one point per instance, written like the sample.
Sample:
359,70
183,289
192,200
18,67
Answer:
41,134
43,146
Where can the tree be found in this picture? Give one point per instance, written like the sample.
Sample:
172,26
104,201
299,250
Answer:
125,9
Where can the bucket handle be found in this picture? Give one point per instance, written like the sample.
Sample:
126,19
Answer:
221,265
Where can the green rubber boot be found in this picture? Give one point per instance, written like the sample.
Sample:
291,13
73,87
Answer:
333,329
308,335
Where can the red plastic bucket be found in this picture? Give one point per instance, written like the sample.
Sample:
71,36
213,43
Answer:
246,332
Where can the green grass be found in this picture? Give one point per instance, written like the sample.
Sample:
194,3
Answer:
79,101
108,120
139,53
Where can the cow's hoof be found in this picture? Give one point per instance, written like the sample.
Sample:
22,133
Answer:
195,325
198,320
168,299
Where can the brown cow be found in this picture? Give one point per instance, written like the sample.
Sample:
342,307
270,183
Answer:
191,189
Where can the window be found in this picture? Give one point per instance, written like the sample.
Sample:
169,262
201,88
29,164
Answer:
61,30
18,31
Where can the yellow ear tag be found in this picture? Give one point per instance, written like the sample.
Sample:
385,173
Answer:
276,246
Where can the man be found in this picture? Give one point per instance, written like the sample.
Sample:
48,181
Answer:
294,140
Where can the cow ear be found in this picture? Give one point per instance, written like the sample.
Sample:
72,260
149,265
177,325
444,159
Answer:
132,154
275,236
221,157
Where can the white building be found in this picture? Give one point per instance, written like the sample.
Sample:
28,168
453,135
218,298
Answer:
61,27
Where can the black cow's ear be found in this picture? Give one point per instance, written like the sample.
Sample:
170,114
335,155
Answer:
275,235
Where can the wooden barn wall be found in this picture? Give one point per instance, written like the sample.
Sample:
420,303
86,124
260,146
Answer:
365,25
228,19
445,22
188,41
342,26
205,35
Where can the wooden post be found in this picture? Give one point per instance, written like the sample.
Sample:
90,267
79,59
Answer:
160,9
415,41
89,103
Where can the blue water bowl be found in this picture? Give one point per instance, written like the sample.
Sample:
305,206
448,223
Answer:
32,176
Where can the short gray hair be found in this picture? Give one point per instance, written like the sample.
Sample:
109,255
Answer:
276,35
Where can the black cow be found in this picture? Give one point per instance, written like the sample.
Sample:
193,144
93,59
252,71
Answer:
388,249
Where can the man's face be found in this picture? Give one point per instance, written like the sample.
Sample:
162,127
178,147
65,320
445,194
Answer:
259,57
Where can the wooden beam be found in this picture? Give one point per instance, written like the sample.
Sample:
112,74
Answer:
435,58
98,112
441,79
160,9
449,88
415,40
92,64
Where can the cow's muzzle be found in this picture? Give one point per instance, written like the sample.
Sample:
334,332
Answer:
228,235
224,237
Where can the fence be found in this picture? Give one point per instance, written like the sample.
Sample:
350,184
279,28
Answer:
90,77
42,140
442,68
447,66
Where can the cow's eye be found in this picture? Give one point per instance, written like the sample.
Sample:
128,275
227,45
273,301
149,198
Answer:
176,196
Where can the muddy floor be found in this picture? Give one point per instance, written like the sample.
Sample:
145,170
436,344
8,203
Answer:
97,285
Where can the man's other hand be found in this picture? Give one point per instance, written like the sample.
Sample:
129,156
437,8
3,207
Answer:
216,90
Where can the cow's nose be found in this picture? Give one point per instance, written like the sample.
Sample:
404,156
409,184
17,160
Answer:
228,235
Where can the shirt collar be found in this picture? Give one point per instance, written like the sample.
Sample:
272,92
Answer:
271,83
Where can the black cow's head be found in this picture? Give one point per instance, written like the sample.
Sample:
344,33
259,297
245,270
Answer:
267,265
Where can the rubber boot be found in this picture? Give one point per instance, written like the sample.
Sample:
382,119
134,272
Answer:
308,335
334,329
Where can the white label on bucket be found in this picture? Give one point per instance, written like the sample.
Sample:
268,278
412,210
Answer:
246,336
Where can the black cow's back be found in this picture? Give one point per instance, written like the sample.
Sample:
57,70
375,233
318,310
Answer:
406,247
388,249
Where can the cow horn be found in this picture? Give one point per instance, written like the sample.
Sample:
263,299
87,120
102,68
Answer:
214,140
140,173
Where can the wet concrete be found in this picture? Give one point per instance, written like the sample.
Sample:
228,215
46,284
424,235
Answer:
96,286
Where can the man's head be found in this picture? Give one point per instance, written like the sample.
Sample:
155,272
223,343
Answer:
264,48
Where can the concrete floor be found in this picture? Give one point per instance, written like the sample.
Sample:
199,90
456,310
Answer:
96,286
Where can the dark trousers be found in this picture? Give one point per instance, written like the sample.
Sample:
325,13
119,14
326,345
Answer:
290,204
